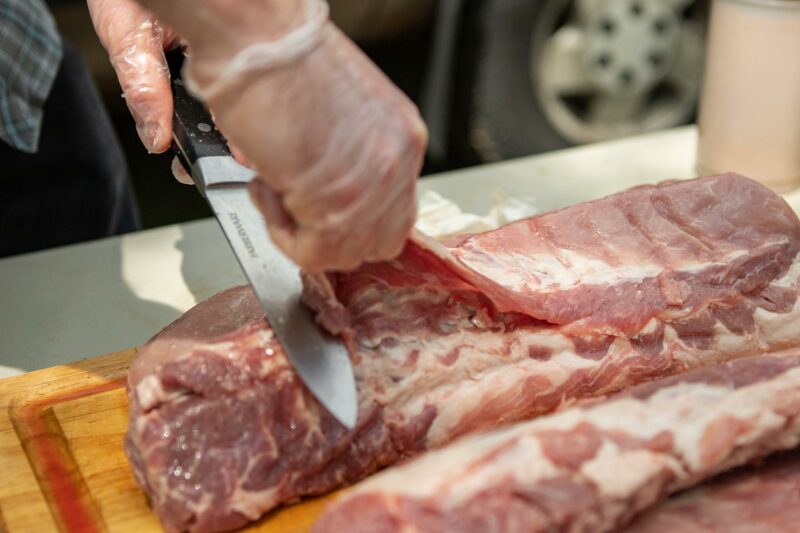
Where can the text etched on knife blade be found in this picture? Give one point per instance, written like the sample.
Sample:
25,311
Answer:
251,251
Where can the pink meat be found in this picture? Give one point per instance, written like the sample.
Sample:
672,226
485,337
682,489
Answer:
757,499
443,343
616,263
590,469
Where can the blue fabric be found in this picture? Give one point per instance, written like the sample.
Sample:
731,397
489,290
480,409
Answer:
30,53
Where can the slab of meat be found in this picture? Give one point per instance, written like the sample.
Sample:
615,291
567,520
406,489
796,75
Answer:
445,340
758,499
587,469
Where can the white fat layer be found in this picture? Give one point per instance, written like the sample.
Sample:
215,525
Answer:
199,506
487,382
525,456
149,392
619,473
754,406
790,279
568,269
543,272
731,343
252,503
780,329
727,345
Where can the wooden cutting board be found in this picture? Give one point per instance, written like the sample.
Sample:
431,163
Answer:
62,466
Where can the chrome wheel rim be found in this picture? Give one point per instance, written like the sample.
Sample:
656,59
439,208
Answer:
603,69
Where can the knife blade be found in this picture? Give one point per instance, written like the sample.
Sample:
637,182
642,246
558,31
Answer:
321,360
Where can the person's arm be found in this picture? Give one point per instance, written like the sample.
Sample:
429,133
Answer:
337,146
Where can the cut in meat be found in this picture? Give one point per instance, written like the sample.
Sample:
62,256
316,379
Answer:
762,499
446,340
592,468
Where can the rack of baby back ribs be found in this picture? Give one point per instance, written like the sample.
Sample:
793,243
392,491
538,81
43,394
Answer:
566,372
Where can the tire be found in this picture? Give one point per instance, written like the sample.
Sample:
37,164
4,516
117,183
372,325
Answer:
505,119
502,111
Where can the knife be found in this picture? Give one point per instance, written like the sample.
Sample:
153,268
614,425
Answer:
321,360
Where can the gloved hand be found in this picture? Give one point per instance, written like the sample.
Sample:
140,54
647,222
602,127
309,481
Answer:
136,42
337,146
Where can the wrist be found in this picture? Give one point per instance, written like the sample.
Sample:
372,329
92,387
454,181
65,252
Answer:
271,19
239,23
261,50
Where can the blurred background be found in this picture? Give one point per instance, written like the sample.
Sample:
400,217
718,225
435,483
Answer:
494,79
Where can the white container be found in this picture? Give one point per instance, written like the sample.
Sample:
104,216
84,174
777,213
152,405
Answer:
750,106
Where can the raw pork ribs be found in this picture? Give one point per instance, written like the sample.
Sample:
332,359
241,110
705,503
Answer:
757,499
462,336
591,469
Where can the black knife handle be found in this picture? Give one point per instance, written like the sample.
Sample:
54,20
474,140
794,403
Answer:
193,129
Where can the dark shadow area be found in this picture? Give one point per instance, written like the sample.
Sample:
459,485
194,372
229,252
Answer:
208,264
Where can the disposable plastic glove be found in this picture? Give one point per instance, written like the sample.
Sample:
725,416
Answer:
338,147
136,42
